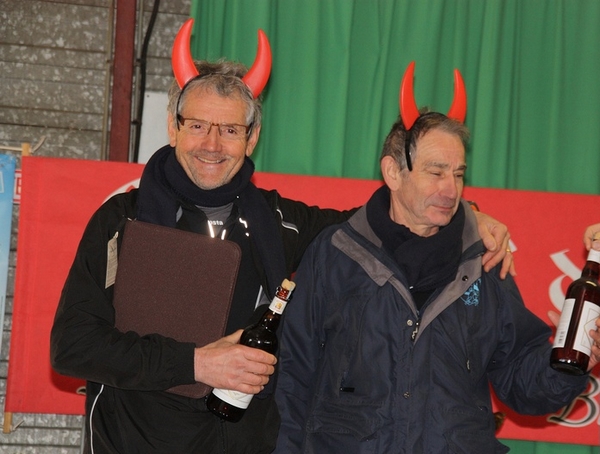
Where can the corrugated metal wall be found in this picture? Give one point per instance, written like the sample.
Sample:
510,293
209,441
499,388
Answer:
53,67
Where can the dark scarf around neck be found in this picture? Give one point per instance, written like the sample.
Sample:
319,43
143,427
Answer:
428,262
164,185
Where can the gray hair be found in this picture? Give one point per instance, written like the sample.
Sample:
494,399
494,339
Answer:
394,144
223,78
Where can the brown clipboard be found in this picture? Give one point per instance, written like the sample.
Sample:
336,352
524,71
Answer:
175,283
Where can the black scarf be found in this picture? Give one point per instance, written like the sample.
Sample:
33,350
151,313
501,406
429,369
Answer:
165,185
427,262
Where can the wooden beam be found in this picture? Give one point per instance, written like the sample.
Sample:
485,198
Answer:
123,65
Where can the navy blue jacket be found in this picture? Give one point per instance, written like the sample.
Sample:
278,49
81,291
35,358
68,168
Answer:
361,370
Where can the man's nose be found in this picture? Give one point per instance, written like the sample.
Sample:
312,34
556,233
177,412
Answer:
212,140
450,187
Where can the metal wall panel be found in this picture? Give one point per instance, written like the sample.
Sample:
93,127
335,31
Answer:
53,64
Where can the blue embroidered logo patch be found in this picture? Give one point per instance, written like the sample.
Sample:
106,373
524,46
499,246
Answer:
471,296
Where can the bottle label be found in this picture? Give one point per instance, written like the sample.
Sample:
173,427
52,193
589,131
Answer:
235,398
594,256
583,341
277,305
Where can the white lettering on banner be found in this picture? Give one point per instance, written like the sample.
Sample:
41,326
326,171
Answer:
592,409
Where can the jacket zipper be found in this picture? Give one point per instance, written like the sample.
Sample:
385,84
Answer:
413,336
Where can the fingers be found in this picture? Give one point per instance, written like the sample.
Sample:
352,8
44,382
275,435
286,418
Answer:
496,238
258,362
591,233
554,317
247,369
508,263
233,338
228,365
503,254
491,259
493,254
595,350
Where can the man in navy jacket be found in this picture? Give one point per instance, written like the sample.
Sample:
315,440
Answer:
395,333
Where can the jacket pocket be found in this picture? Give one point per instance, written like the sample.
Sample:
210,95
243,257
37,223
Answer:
471,432
355,417
469,442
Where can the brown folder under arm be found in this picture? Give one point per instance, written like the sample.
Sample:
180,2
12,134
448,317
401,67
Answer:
175,283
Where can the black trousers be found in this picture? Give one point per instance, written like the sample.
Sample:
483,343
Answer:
129,422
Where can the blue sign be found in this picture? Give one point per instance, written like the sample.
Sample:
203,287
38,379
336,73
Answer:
7,182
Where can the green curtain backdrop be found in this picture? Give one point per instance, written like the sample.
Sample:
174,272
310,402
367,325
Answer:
530,66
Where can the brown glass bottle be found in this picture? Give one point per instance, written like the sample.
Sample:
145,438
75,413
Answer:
572,343
231,405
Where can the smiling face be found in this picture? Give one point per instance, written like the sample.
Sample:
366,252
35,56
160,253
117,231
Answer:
211,161
426,198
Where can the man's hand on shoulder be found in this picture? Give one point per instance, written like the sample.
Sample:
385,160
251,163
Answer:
496,238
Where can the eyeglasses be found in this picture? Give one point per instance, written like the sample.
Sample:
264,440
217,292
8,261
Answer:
201,128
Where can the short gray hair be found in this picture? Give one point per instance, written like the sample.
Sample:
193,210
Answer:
223,78
394,144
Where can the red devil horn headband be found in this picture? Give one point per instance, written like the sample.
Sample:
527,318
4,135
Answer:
185,70
408,106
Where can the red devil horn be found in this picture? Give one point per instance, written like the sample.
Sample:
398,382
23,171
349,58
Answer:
458,109
182,62
257,76
408,106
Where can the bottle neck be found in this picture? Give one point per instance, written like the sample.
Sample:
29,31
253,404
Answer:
282,293
592,265
279,301
271,320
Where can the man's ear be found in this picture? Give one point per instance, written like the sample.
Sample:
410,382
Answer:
172,130
252,140
391,173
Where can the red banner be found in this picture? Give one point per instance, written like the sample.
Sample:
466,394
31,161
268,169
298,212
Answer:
59,196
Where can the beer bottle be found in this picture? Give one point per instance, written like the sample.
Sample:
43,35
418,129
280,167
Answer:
573,344
228,404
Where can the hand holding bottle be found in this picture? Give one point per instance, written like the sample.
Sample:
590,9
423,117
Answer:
227,364
230,404
594,334
595,356
573,344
